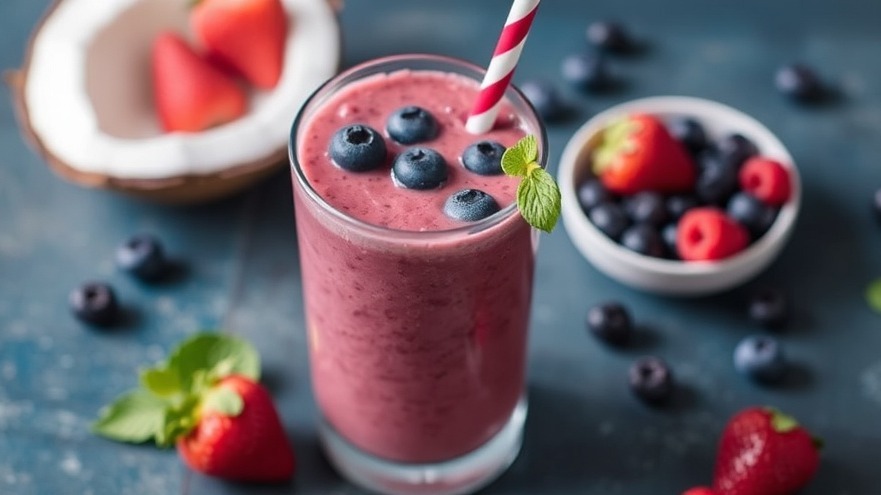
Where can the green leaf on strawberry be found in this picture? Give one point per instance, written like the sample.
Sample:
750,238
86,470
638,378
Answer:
173,392
538,196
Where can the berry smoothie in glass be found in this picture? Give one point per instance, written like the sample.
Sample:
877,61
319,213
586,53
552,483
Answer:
417,274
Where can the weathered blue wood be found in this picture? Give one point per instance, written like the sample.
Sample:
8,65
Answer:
586,434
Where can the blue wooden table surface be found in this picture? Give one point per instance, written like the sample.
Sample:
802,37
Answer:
586,434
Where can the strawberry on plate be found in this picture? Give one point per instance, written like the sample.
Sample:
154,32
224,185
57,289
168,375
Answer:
764,452
205,399
191,95
637,153
247,36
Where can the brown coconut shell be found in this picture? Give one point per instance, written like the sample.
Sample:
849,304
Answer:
183,189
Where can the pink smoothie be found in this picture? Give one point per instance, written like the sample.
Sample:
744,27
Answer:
417,332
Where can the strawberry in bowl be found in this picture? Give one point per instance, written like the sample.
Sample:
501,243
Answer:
677,195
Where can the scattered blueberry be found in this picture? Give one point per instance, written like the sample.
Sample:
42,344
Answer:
610,322
484,158
587,71
876,204
760,358
420,168
410,125
610,219
668,235
799,82
770,308
591,193
689,132
716,181
677,205
357,148
94,303
735,149
643,239
142,256
752,213
545,98
651,380
470,205
609,35
646,207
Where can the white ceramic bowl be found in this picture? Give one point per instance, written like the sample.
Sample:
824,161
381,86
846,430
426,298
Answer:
671,277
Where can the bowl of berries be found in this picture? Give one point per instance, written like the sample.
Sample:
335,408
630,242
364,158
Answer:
678,195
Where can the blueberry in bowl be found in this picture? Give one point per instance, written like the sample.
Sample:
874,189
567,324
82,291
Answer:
677,195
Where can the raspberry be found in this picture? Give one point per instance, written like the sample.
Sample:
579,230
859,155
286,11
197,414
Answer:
767,180
707,234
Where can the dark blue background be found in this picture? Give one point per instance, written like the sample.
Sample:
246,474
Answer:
586,434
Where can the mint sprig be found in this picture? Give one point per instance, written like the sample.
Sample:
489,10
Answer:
173,392
538,196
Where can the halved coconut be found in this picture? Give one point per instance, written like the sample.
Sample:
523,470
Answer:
84,98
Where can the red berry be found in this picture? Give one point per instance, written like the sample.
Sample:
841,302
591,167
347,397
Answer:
767,180
707,234
701,490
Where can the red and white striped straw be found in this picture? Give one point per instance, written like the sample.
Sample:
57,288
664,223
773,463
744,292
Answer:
501,67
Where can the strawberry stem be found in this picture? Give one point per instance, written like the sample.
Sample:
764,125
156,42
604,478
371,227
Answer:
781,422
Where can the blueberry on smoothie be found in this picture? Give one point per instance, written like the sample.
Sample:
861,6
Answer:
484,158
651,380
357,148
420,168
470,205
760,358
412,124
94,303
142,256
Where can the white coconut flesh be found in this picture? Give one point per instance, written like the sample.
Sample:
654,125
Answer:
89,95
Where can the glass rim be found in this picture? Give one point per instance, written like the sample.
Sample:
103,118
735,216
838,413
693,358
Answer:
352,221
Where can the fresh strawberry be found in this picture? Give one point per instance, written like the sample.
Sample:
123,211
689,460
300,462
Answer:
250,446
764,452
191,95
708,234
206,400
767,180
702,490
638,154
247,36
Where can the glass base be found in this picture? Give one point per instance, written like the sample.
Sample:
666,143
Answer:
459,476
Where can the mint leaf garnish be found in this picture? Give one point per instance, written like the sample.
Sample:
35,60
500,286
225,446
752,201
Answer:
135,417
538,196
516,159
873,295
